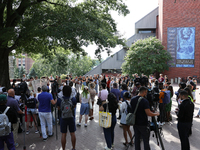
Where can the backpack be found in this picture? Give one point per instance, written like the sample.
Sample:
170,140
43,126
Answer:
5,125
31,103
167,97
129,108
67,109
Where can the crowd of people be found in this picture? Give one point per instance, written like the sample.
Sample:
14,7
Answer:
121,92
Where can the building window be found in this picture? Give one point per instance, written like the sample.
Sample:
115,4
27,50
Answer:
111,71
147,31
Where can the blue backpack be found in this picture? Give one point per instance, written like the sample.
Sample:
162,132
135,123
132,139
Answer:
167,97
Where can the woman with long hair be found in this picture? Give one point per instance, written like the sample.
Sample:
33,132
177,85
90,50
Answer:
85,107
92,99
109,132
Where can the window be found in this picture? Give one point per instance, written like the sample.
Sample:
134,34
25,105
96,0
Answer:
147,31
19,65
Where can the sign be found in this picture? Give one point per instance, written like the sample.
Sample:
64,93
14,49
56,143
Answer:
181,46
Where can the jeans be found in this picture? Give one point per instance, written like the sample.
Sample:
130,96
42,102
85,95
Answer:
46,117
199,112
109,132
144,132
9,140
183,131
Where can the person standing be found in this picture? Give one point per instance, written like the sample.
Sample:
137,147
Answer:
12,103
12,116
161,79
161,105
185,117
92,99
45,100
124,109
68,123
141,129
109,132
103,94
85,107
116,91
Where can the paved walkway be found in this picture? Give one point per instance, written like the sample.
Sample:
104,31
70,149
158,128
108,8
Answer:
92,137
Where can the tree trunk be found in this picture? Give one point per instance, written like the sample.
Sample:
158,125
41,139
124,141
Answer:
4,69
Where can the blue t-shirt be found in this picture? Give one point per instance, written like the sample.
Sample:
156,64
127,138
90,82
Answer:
141,116
122,94
116,92
45,102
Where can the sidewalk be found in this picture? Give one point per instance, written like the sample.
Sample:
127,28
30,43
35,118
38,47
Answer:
92,137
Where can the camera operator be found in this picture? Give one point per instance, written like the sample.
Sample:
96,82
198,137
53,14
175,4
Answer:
141,121
14,104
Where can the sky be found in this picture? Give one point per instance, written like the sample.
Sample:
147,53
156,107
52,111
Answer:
126,25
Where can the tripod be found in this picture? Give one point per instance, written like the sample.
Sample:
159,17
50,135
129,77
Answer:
153,127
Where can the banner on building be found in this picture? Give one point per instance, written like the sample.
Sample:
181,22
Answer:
181,46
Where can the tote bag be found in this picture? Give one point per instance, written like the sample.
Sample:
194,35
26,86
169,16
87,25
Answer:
105,118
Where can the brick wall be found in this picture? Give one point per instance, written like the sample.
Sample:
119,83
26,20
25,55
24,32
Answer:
183,13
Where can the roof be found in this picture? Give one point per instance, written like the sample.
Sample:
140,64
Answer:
148,21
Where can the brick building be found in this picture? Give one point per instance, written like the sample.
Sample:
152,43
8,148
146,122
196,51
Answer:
26,62
179,32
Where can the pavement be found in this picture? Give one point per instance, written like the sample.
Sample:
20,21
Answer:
92,137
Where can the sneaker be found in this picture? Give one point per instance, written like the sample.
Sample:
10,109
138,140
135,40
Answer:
106,148
16,144
79,124
51,135
196,116
44,139
36,131
85,125
27,132
112,146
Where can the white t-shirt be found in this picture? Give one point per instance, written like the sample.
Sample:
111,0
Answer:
85,100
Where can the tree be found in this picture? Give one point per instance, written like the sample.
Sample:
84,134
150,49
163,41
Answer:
38,26
32,73
63,62
22,71
146,56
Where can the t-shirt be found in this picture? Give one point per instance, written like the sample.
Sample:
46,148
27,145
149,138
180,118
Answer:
194,85
13,104
160,80
116,92
45,102
141,116
122,94
104,94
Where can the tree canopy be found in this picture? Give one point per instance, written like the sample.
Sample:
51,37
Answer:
146,56
62,62
39,26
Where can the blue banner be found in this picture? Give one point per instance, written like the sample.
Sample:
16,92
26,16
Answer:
181,45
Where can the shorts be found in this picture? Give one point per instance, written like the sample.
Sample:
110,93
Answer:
67,123
85,108
33,110
194,95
